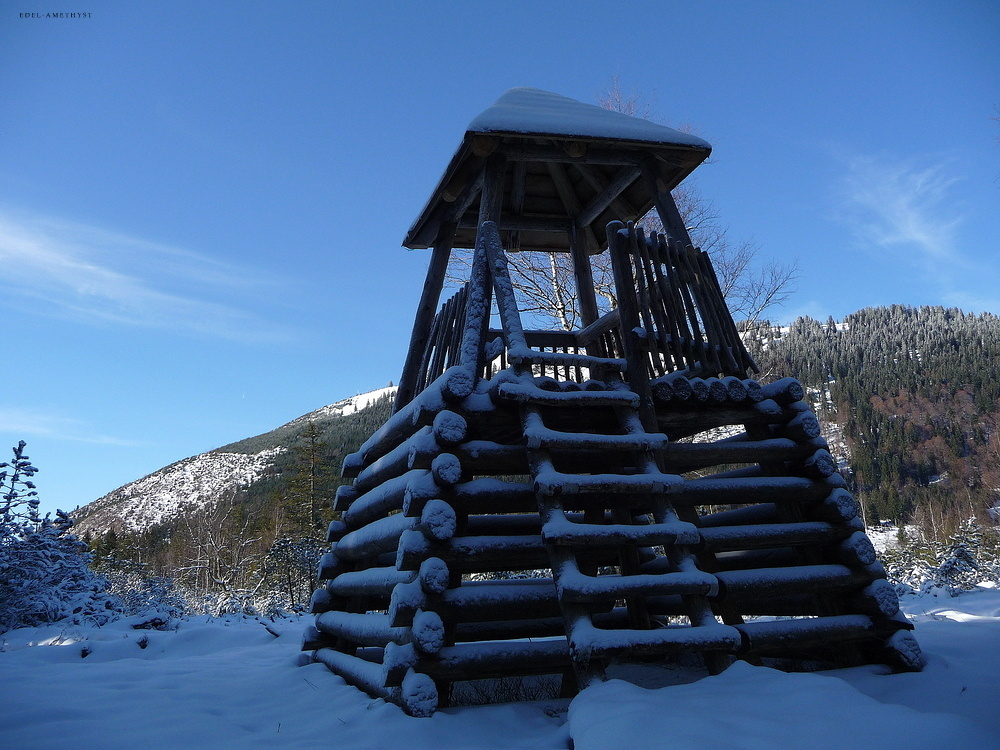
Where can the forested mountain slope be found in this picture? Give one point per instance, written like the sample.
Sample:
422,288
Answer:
916,391
259,490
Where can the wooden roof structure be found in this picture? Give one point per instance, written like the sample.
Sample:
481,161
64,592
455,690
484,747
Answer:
573,163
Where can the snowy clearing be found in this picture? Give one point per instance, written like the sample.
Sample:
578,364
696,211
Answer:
227,683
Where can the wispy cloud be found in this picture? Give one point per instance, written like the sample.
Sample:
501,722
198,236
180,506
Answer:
899,206
83,272
21,423
908,209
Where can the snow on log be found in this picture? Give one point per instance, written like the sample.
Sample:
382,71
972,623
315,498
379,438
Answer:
794,579
414,547
477,601
798,633
528,392
427,632
453,385
588,642
320,601
717,391
878,598
905,651
736,390
858,548
374,538
420,488
480,554
559,483
819,465
561,530
335,531
784,391
406,600
449,428
358,672
434,575
382,500
397,660
446,469
803,427
368,582
342,500
329,566
362,629
471,661
398,460
418,695
438,521
577,587
312,639
762,536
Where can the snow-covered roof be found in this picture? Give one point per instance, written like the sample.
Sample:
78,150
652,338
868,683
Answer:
527,110
570,156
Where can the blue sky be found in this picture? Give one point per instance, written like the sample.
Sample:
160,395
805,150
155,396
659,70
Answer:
202,204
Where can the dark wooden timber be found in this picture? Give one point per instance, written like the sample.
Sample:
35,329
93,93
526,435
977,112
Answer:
425,314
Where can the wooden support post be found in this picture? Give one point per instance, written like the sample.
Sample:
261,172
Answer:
425,314
583,275
490,209
666,209
491,199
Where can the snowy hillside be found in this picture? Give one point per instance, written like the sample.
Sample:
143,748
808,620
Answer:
201,481
344,408
185,486
232,683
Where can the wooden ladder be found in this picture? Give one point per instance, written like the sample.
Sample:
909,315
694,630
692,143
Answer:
624,478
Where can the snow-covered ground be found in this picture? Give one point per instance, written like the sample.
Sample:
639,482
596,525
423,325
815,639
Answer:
224,684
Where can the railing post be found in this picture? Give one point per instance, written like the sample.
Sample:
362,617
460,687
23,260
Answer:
635,353
425,314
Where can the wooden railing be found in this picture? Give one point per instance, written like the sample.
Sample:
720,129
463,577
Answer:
445,339
677,305
670,304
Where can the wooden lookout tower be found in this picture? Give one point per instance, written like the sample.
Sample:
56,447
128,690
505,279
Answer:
558,502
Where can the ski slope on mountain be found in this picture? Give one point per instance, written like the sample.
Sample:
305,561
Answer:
236,683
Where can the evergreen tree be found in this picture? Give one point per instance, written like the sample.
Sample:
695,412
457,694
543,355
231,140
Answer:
44,576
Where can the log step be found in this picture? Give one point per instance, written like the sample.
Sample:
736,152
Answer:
469,661
530,393
577,587
587,641
701,455
762,536
740,491
566,532
479,554
541,437
761,636
786,580
558,483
